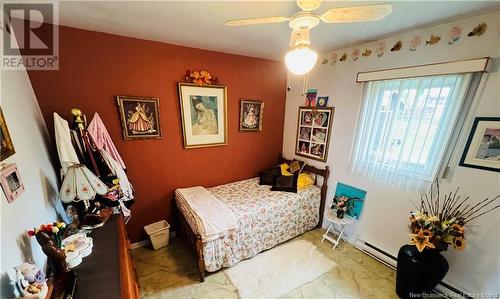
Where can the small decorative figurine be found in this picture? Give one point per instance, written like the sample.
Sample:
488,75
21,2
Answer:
30,281
31,273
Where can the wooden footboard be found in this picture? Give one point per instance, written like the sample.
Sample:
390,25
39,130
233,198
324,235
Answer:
183,227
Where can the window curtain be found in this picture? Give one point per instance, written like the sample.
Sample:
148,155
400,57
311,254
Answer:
404,128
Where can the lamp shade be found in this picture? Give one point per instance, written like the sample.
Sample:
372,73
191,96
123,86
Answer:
81,184
301,60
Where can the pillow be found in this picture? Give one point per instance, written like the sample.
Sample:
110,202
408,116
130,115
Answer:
297,165
269,176
287,183
305,180
284,170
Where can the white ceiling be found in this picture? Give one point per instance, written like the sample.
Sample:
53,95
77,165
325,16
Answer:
201,24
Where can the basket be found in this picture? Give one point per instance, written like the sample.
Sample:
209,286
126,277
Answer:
158,233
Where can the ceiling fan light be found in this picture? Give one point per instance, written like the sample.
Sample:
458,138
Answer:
301,60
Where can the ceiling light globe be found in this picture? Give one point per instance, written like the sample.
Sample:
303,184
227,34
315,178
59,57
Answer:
301,60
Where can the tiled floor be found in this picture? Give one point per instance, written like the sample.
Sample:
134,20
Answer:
171,273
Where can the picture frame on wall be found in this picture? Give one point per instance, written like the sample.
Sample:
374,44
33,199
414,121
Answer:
313,132
482,150
11,182
203,114
140,117
6,146
251,115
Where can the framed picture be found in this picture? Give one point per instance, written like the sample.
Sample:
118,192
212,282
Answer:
11,182
355,195
482,150
203,113
313,132
311,97
6,146
140,117
322,102
251,115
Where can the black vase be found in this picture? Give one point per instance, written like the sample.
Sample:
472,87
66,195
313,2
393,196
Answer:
419,272
340,213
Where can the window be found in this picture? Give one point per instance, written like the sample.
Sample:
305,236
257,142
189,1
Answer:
405,127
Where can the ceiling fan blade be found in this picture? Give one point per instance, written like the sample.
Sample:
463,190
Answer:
308,5
357,13
257,21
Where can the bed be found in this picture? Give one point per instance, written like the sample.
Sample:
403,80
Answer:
265,219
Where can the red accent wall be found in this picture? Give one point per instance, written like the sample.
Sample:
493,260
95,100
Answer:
95,67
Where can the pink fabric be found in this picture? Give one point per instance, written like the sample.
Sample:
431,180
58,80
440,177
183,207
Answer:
102,139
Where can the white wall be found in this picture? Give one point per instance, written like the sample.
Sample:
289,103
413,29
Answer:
385,217
37,204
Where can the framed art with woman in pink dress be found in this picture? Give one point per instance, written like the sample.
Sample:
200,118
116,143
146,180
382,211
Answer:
140,117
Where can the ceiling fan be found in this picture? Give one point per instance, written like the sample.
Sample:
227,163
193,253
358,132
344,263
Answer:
300,59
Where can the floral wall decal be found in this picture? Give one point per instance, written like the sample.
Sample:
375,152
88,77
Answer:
380,49
478,30
454,34
397,46
415,42
333,58
434,39
343,57
367,52
355,54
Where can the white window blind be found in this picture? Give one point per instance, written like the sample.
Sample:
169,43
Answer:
405,126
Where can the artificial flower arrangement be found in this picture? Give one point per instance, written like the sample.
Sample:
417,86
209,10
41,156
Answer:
55,229
200,77
440,220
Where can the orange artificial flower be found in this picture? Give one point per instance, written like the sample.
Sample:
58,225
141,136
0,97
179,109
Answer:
458,228
459,243
421,241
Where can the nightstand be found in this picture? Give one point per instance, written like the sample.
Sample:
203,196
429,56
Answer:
335,226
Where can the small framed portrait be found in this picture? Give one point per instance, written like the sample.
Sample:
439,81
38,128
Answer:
306,118
319,135
482,150
322,101
140,117
321,119
313,132
305,133
251,115
6,146
203,114
304,147
11,182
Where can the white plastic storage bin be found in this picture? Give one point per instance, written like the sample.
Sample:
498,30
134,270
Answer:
158,233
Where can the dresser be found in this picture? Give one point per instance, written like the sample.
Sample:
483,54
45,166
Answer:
108,272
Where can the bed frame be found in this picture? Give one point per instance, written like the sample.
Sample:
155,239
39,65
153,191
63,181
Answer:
183,227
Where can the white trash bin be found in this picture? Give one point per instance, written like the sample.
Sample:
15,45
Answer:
158,233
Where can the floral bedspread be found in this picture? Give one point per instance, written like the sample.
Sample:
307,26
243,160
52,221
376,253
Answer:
265,219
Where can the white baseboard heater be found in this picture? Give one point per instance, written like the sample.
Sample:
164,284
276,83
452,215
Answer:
443,288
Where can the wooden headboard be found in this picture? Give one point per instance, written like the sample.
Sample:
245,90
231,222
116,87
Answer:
325,173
